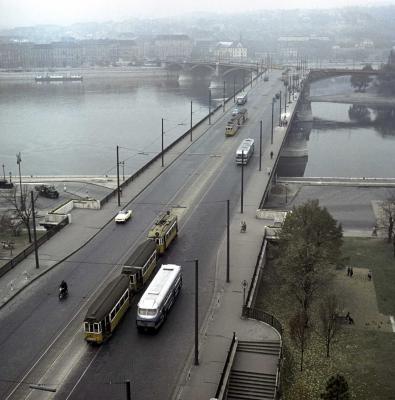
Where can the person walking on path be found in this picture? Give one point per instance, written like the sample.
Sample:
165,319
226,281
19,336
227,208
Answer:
271,155
369,275
351,272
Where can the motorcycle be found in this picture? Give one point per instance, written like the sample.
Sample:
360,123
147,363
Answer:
63,293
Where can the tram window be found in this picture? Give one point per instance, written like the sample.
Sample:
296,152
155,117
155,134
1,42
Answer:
112,315
96,328
86,326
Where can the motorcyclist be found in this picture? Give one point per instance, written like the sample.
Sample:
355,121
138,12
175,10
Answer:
63,286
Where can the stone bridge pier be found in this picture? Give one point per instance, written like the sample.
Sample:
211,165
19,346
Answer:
304,112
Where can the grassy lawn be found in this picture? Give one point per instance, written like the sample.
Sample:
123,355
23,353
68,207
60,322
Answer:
363,352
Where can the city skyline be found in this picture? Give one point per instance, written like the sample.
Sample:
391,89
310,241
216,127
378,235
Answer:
17,13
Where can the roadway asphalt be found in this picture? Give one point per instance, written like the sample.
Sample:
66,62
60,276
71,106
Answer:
224,316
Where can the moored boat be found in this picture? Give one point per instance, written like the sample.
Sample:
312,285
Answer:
57,78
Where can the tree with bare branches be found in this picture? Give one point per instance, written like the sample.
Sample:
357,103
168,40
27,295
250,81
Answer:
22,207
299,333
387,216
329,327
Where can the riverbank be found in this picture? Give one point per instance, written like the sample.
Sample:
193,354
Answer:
87,72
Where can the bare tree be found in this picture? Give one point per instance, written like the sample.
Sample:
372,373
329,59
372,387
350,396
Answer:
387,217
328,324
299,333
22,207
9,224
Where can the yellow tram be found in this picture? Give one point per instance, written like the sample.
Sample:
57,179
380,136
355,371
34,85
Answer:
111,303
164,231
107,310
141,264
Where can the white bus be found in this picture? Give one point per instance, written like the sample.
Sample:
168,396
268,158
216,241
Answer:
241,99
245,151
160,295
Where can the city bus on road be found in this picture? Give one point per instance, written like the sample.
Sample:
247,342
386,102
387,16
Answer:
141,264
164,231
107,310
155,303
245,151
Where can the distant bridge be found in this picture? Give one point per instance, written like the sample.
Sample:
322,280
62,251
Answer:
325,73
337,181
217,67
355,98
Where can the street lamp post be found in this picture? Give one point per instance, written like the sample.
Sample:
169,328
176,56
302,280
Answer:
209,106
271,137
18,161
224,97
260,146
196,312
279,114
163,133
242,183
118,188
34,230
191,121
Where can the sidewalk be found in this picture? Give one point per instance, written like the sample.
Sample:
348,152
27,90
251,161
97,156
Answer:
201,382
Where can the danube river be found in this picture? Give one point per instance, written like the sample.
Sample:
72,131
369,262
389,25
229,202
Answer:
343,140
73,128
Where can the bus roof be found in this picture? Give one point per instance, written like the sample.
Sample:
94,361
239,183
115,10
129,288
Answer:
106,299
159,287
245,145
139,256
162,224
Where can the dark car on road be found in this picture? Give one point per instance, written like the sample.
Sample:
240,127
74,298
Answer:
47,191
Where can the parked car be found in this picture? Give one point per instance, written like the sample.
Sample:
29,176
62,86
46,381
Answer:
123,216
47,191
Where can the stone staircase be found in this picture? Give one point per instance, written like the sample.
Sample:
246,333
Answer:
251,383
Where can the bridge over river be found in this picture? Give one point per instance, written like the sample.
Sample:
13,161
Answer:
338,181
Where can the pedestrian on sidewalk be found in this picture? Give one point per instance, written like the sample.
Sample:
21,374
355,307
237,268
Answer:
351,272
369,275
271,155
269,170
348,271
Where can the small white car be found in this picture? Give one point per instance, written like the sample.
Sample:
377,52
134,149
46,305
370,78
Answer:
123,216
235,111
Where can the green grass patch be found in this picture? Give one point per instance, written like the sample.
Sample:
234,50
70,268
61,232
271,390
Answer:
376,255
363,356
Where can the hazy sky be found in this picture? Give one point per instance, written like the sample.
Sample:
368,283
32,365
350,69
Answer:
64,12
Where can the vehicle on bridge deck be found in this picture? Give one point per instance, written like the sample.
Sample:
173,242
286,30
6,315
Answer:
155,303
241,99
107,310
245,151
233,125
164,231
141,264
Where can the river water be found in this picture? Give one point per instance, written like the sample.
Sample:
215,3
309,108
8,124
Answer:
356,142
73,128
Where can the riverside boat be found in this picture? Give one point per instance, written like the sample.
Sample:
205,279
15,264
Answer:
58,78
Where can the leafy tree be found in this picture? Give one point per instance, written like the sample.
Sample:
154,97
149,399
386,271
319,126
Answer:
329,326
336,389
361,81
309,247
299,333
359,113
